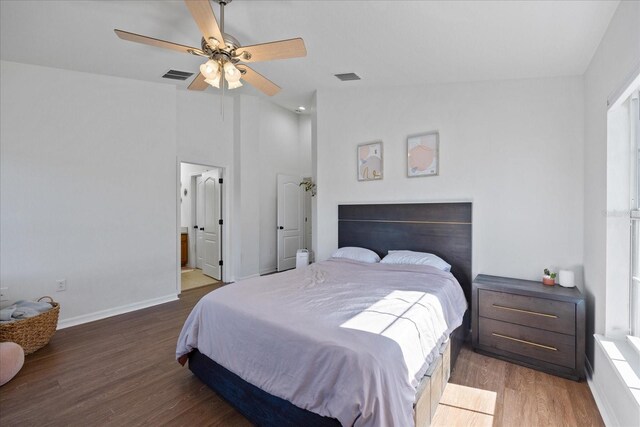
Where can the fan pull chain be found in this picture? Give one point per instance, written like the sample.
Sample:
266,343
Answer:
222,62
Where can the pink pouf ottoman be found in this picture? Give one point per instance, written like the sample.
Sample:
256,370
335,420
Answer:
11,361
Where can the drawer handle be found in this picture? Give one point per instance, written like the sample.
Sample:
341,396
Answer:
553,316
525,342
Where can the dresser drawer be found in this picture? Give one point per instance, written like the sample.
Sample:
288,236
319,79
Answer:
537,344
541,313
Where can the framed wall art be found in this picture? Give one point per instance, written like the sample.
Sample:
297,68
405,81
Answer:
370,161
423,154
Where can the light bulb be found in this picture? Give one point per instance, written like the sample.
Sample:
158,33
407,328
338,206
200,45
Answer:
231,73
210,69
234,85
213,82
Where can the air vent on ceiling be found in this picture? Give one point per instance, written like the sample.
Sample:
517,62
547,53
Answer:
177,75
347,76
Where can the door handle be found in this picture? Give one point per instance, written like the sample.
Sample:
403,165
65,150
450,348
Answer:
280,228
195,226
202,229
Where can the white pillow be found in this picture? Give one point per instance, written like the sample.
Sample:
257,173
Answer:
357,254
416,258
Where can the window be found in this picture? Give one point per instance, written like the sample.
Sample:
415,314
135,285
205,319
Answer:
623,215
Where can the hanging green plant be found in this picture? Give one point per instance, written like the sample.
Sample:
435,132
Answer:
308,186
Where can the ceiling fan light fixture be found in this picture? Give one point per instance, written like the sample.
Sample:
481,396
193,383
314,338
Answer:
215,82
210,69
231,73
234,85
222,51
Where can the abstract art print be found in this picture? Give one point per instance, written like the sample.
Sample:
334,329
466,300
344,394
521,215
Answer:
370,161
422,154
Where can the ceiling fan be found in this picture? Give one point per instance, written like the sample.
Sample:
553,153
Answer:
224,53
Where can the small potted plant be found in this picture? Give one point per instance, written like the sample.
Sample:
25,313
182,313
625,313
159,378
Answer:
549,278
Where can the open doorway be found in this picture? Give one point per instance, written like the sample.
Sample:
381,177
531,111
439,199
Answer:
200,225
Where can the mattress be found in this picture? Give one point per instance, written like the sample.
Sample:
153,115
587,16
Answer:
340,338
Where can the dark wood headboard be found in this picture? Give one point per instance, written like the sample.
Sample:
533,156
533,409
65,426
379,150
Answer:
443,229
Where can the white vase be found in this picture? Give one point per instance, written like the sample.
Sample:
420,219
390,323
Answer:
566,278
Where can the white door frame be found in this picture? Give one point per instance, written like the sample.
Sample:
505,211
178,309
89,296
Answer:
193,243
195,196
227,268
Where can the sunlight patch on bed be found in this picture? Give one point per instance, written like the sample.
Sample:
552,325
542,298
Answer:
398,306
411,319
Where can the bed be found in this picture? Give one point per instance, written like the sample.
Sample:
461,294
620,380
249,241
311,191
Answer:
341,342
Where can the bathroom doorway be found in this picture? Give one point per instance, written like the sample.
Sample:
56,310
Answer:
200,225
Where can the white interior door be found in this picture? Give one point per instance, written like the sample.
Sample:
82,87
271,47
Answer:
199,221
290,220
211,226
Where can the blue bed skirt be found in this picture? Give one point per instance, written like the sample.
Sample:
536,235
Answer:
258,406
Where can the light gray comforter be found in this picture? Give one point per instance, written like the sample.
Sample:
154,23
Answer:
340,338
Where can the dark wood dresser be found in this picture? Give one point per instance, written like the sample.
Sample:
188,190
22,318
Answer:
526,322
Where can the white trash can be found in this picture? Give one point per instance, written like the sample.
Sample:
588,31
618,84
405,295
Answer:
302,258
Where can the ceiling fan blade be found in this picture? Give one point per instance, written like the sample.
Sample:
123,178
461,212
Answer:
259,81
205,18
198,83
133,37
283,49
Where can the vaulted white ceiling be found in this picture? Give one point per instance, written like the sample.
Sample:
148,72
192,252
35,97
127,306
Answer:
385,42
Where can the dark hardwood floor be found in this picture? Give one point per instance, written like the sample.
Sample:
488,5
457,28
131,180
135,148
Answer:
520,396
122,371
117,371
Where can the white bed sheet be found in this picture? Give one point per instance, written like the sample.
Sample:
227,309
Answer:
340,338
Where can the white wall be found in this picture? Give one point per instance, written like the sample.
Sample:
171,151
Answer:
265,143
513,148
305,161
615,59
254,141
247,192
206,136
280,152
84,190
304,138
90,184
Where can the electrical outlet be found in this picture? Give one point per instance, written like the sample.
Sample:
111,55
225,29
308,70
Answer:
61,285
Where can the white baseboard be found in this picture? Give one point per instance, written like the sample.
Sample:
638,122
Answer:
103,314
601,403
269,271
251,276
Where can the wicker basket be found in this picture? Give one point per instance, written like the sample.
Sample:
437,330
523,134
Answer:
32,333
